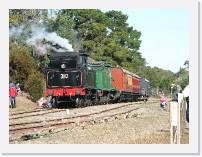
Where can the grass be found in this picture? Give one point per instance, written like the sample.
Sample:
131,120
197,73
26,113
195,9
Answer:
158,138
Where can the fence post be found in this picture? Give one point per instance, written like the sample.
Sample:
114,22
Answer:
180,117
173,122
171,126
178,123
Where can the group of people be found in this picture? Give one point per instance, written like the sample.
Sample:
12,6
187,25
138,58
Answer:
14,89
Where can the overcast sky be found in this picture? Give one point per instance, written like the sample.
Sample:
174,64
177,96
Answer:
165,36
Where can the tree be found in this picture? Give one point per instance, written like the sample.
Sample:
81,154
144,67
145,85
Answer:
27,17
21,63
106,36
182,77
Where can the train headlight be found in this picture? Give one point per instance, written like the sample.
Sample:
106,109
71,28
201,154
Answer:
63,66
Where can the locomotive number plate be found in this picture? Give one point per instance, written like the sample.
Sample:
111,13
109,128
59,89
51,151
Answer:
63,76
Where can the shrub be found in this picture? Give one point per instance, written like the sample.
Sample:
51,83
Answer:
34,85
21,63
23,69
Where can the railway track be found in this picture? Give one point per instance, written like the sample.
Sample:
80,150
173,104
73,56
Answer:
38,111
65,122
70,122
31,111
65,125
62,119
45,111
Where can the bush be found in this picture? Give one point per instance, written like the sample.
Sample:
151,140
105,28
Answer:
34,85
24,70
21,63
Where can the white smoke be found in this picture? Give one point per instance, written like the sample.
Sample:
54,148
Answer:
16,31
41,40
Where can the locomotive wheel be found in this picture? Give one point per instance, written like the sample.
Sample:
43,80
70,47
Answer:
79,102
96,101
109,98
87,103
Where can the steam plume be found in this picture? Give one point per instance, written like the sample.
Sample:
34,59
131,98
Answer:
41,40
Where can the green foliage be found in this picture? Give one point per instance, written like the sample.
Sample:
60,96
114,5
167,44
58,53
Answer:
24,70
27,17
34,85
183,77
42,62
21,63
63,25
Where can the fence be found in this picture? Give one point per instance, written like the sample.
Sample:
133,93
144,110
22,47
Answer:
177,119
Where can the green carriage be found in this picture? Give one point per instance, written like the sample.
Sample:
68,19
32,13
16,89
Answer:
103,76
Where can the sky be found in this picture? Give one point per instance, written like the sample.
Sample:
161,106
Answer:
165,36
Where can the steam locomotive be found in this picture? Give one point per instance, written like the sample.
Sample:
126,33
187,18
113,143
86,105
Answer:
71,78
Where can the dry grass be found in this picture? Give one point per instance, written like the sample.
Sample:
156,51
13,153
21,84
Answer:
159,138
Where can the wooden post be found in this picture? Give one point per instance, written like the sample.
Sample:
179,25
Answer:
171,126
180,117
183,117
173,122
178,124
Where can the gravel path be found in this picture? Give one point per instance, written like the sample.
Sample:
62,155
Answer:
150,125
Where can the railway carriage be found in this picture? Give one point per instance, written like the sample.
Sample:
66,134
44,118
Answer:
103,81
144,89
136,84
126,83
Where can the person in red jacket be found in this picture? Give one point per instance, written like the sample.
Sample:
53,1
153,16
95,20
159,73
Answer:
12,95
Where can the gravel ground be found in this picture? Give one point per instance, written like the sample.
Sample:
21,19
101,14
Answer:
64,114
151,125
